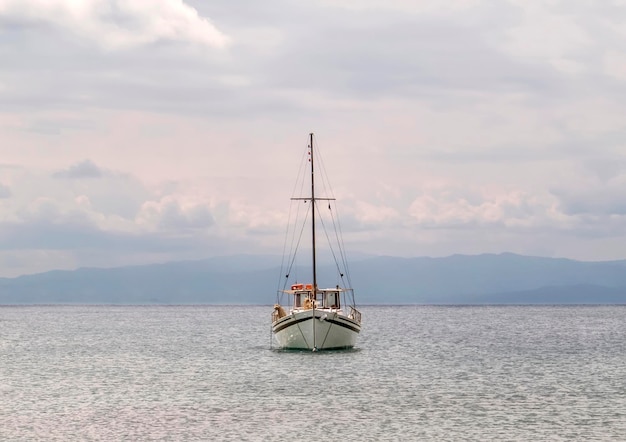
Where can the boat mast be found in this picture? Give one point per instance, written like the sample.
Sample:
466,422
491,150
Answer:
313,237
313,219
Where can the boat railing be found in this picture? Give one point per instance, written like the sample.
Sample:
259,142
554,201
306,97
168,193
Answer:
278,312
355,314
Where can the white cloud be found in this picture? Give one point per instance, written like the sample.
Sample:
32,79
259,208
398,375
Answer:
447,207
170,215
614,64
118,24
546,31
420,7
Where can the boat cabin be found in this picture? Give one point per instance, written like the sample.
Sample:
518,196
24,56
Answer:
303,297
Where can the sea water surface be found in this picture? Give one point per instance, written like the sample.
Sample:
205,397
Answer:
207,373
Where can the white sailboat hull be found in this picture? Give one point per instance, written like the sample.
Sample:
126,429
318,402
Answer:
329,329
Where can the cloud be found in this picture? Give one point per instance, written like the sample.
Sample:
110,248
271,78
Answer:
159,55
597,199
56,126
545,32
614,64
115,24
168,214
5,191
82,236
454,127
451,207
84,169
406,50
85,207
101,196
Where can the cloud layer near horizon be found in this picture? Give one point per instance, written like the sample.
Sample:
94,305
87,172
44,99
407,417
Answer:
137,131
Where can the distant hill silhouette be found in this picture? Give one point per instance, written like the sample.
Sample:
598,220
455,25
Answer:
248,279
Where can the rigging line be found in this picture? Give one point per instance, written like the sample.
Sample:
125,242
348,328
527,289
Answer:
338,231
282,262
301,181
327,332
293,257
294,248
300,178
319,161
296,239
293,239
342,247
330,245
303,336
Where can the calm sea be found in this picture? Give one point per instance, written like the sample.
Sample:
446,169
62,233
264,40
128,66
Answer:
207,373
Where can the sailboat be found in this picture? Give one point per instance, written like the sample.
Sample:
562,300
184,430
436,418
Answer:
306,316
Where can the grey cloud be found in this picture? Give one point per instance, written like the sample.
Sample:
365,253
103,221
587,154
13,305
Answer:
606,168
602,202
104,191
510,154
174,218
58,126
374,54
5,191
84,169
342,53
119,194
378,52
320,49
599,193
78,76
76,236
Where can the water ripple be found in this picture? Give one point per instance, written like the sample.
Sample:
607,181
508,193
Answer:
207,373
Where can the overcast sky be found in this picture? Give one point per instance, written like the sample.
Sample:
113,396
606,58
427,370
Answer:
139,131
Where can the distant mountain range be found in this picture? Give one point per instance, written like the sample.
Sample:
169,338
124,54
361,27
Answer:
249,279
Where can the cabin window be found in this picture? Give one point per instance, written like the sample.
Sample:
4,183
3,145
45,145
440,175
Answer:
332,299
297,301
